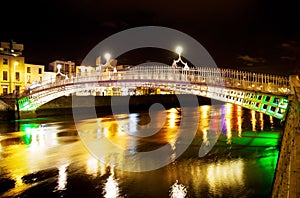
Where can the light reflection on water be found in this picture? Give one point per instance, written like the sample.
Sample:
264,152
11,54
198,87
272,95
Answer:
178,190
225,171
230,171
111,188
62,177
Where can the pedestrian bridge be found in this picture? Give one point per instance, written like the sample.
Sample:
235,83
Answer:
260,92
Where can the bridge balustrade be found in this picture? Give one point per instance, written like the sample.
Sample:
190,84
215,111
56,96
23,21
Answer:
210,76
203,81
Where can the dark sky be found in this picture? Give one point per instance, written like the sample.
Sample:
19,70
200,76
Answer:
256,35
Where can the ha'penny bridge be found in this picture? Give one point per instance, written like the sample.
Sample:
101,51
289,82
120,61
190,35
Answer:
277,96
260,92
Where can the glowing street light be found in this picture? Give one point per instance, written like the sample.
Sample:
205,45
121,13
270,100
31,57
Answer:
58,68
179,50
107,57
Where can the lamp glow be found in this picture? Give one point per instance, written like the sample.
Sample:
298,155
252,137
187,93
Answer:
107,56
178,50
58,68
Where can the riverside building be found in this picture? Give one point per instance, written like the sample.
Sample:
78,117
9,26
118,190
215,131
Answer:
15,74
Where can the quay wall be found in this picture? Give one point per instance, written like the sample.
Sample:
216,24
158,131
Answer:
287,177
103,104
66,104
7,108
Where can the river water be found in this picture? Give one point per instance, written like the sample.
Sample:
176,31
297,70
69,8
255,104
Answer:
50,156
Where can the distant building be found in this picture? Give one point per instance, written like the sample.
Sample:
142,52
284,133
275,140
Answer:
11,48
66,67
49,76
34,73
86,70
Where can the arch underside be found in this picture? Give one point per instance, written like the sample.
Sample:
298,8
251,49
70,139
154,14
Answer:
273,105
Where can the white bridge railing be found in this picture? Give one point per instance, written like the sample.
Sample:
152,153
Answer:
272,84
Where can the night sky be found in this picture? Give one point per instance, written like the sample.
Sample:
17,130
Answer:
254,35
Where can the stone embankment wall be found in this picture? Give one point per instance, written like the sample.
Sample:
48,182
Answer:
287,178
103,103
64,105
7,109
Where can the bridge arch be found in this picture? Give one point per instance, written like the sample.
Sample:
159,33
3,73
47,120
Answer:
259,92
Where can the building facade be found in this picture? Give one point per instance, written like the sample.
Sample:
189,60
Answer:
49,77
11,68
65,67
34,74
15,74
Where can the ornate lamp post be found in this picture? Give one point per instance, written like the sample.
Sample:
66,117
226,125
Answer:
178,50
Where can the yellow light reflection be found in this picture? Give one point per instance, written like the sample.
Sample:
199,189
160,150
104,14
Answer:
205,111
271,122
228,119
171,134
225,175
172,117
204,138
204,122
17,176
92,166
239,120
116,132
62,177
178,190
253,120
261,121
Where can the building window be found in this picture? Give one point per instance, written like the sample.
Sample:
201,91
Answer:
4,75
18,76
5,61
40,70
66,68
28,69
41,79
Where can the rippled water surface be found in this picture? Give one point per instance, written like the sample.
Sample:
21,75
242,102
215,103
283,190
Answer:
46,157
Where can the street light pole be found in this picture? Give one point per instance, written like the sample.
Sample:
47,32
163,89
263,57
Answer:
179,50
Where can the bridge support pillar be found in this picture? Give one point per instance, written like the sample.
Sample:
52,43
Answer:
287,178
